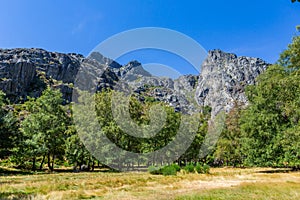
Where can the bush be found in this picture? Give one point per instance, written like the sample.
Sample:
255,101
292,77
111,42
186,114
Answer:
176,166
154,170
166,170
206,169
199,168
189,168
169,170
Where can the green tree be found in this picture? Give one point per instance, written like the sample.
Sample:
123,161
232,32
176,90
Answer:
228,148
192,154
272,118
8,127
290,58
93,123
43,129
76,152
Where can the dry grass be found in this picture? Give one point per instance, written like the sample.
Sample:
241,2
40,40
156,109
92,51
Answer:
225,183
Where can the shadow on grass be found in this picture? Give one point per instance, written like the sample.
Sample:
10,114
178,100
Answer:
14,196
97,169
13,172
274,171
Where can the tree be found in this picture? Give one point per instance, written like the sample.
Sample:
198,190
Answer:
272,118
76,152
8,127
193,153
228,148
290,58
43,129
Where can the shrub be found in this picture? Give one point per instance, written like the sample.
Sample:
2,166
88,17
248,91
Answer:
206,169
169,170
166,170
189,168
154,170
176,166
199,168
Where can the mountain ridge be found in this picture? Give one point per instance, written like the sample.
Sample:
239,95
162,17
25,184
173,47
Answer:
223,78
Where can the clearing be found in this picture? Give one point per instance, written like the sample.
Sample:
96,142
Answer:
221,183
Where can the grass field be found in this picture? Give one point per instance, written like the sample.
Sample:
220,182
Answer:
221,183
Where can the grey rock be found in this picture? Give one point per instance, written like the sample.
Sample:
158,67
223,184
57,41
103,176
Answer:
15,78
21,71
223,80
186,82
20,68
132,71
104,60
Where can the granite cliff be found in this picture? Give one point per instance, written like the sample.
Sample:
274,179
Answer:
224,76
223,79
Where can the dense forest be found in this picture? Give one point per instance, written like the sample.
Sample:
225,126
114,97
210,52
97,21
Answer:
40,133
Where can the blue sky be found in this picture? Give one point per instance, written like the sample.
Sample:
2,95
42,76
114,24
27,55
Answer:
258,28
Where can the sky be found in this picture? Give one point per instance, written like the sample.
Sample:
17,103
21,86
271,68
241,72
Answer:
257,28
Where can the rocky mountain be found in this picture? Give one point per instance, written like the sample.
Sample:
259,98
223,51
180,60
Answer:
26,72
223,79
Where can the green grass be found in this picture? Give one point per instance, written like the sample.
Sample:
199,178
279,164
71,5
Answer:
226,183
259,191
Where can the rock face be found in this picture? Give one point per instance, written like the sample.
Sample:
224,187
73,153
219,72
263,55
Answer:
130,72
21,70
222,81
26,72
15,78
104,61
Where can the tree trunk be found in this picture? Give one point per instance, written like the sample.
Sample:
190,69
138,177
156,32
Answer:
43,160
89,163
52,164
33,164
49,162
93,165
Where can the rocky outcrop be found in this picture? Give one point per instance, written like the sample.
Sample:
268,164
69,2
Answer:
223,79
186,82
130,72
104,60
26,72
94,76
21,70
16,77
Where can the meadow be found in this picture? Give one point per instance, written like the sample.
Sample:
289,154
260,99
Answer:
220,183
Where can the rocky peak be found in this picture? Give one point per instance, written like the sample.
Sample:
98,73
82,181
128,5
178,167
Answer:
104,60
132,71
223,79
219,55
